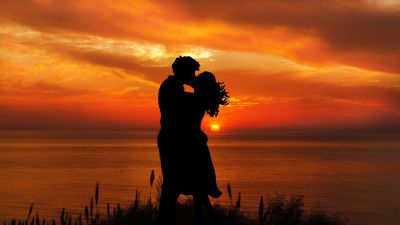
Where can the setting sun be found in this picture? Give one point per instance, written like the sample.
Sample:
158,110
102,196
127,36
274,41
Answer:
215,127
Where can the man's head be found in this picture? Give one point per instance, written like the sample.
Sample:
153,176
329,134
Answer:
184,68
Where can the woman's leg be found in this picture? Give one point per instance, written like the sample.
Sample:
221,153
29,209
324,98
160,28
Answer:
210,210
198,207
201,200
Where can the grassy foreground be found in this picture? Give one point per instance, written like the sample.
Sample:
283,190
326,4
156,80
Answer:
278,210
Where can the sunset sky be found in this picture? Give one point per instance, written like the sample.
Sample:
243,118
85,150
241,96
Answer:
286,64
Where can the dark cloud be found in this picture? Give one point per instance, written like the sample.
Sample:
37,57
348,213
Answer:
77,17
346,27
343,24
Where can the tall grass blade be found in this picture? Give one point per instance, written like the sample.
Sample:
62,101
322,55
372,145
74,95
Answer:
87,214
230,193
66,218
97,193
30,211
91,208
62,216
152,176
37,218
108,211
136,203
118,209
238,202
261,211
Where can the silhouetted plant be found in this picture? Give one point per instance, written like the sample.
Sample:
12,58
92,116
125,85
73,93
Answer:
87,214
261,212
234,213
152,176
97,193
230,193
280,211
29,214
108,211
237,206
80,219
317,218
62,216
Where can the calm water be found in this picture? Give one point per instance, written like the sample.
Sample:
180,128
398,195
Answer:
353,174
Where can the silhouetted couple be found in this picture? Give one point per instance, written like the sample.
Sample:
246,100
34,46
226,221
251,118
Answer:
185,158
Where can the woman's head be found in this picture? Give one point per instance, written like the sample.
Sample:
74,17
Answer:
212,93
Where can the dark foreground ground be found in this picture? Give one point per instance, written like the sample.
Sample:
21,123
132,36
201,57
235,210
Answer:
279,210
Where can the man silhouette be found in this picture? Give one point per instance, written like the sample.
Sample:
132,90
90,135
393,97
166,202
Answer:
174,104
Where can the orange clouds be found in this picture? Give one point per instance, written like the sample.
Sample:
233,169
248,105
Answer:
360,33
343,28
286,63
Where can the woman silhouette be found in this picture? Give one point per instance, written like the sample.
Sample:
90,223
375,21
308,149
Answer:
209,95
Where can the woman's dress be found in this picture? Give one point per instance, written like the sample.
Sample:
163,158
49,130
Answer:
198,174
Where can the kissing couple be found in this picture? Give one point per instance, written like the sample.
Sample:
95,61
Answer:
186,162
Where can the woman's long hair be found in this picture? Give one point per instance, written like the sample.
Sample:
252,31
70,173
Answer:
211,92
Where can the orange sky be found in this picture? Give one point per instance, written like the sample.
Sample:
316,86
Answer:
98,64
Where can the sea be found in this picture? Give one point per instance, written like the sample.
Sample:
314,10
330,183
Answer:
354,174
